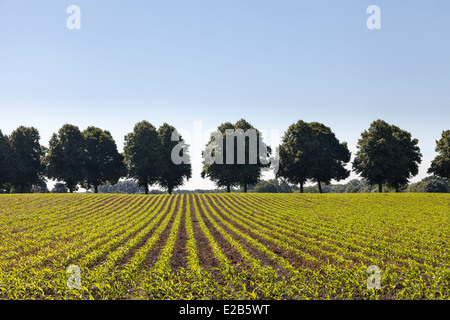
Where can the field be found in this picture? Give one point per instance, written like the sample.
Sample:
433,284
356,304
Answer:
225,246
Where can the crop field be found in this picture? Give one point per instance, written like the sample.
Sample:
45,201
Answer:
225,246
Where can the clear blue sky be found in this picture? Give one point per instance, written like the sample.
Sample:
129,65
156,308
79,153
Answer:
270,62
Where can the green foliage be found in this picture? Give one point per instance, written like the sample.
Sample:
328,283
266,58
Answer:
66,158
124,186
230,246
224,175
27,155
312,151
40,187
272,186
235,174
265,187
387,155
143,155
330,156
296,154
440,166
6,161
103,164
173,175
430,184
59,188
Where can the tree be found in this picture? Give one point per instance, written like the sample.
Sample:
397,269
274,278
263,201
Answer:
26,155
103,163
295,154
256,154
143,154
354,186
66,158
124,186
265,186
440,166
40,187
175,167
6,161
387,155
235,155
430,184
329,156
59,188
312,151
214,155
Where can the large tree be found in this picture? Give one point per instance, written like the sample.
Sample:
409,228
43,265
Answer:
103,163
6,161
329,156
440,166
237,155
27,154
66,158
256,154
175,158
214,163
295,154
143,154
312,151
387,155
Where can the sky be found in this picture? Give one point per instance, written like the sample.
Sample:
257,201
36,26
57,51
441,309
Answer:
197,64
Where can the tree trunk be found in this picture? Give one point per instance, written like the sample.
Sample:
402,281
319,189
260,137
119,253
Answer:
146,188
245,187
380,188
22,188
170,189
301,187
228,189
71,189
320,187
95,189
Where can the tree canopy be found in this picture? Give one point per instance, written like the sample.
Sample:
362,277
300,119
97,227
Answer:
173,174
143,154
66,158
26,155
295,154
6,161
103,163
440,166
387,155
311,151
235,155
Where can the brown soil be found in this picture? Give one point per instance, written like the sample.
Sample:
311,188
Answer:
247,246
153,255
288,255
232,254
133,250
205,253
103,257
179,251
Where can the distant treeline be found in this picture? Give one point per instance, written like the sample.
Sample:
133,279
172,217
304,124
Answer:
429,184
387,158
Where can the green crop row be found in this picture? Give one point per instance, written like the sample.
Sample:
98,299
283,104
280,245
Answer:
225,246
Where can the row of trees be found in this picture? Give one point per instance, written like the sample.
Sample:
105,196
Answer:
90,158
386,156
